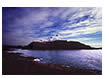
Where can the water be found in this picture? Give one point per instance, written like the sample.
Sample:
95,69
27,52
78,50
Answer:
89,59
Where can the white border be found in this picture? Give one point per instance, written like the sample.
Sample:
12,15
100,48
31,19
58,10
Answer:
63,3
52,3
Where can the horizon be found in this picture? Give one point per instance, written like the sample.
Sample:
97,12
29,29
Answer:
95,46
22,25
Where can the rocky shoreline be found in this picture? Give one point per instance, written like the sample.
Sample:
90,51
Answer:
15,64
57,45
54,45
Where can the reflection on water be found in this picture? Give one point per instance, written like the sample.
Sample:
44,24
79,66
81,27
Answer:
78,58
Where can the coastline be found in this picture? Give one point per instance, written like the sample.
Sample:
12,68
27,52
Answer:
15,64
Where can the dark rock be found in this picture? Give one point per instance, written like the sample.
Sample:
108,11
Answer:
57,45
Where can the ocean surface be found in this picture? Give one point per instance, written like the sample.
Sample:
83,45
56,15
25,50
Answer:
87,59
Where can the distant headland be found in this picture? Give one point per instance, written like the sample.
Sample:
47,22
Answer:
58,45
55,45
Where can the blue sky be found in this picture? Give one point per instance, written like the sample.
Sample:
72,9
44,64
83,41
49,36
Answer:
21,25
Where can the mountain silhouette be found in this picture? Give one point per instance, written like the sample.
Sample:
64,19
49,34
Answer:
57,45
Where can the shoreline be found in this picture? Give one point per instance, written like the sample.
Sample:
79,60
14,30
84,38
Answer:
55,45
23,48
14,64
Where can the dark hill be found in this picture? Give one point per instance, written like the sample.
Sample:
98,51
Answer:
57,45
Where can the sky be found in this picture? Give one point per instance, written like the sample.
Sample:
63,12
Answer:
22,25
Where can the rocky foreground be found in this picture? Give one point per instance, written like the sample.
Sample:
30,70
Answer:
15,64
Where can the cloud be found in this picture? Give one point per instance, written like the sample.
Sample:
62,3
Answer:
89,17
85,21
81,31
34,23
80,39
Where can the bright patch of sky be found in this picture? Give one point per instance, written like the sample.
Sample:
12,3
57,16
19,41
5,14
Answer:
21,25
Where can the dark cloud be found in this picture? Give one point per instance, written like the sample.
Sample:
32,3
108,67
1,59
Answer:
21,25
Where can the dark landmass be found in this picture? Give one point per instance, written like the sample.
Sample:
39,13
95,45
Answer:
58,45
15,64
54,45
